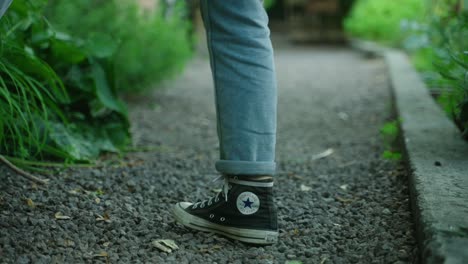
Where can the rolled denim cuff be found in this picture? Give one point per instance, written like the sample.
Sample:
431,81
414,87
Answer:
237,167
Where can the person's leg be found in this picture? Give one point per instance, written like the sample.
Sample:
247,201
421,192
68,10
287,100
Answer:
245,88
245,85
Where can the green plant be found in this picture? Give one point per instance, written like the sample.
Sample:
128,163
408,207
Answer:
29,93
56,91
150,46
434,33
439,48
452,62
381,20
390,132
391,155
268,3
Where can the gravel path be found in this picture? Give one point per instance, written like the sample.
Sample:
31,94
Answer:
352,207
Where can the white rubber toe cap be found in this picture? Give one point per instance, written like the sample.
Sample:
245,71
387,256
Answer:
184,205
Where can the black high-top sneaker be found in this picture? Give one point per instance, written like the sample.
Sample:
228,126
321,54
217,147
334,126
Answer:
243,210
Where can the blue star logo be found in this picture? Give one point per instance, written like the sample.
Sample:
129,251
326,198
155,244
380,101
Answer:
248,203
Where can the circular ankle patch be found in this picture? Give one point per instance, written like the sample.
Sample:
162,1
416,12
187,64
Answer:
248,203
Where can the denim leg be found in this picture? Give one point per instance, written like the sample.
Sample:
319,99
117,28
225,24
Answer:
245,85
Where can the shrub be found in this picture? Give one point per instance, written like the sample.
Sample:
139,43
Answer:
450,44
57,97
150,46
439,49
437,43
268,3
380,20
59,76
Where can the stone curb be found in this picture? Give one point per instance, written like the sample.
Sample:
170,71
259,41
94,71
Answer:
437,158
367,48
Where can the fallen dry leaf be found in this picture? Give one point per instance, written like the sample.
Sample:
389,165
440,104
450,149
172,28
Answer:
60,216
344,187
323,260
75,191
293,262
344,200
343,116
305,188
295,232
211,249
324,154
69,243
295,176
165,245
30,203
347,164
106,244
105,217
101,254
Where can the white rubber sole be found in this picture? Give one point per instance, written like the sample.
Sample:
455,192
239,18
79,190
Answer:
260,237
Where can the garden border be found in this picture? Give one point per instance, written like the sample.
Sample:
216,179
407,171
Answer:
437,159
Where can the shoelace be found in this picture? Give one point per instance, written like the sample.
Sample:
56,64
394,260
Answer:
224,192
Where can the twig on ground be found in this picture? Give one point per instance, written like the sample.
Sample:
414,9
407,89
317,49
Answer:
347,164
22,172
323,154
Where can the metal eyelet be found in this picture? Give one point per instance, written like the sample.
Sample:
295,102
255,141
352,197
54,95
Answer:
222,219
211,215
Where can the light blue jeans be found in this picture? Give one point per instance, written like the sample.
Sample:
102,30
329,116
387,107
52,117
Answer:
245,85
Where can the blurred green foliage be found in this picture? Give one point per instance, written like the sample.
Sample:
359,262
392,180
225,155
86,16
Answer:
380,20
150,45
57,97
434,33
389,132
59,82
268,3
438,47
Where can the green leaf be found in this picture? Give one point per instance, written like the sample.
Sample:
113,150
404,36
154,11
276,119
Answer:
118,133
73,144
104,91
390,129
1,127
42,37
464,111
82,141
77,79
101,46
67,51
459,61
391,155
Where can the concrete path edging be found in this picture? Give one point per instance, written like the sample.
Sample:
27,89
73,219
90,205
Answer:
367,48
438,159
